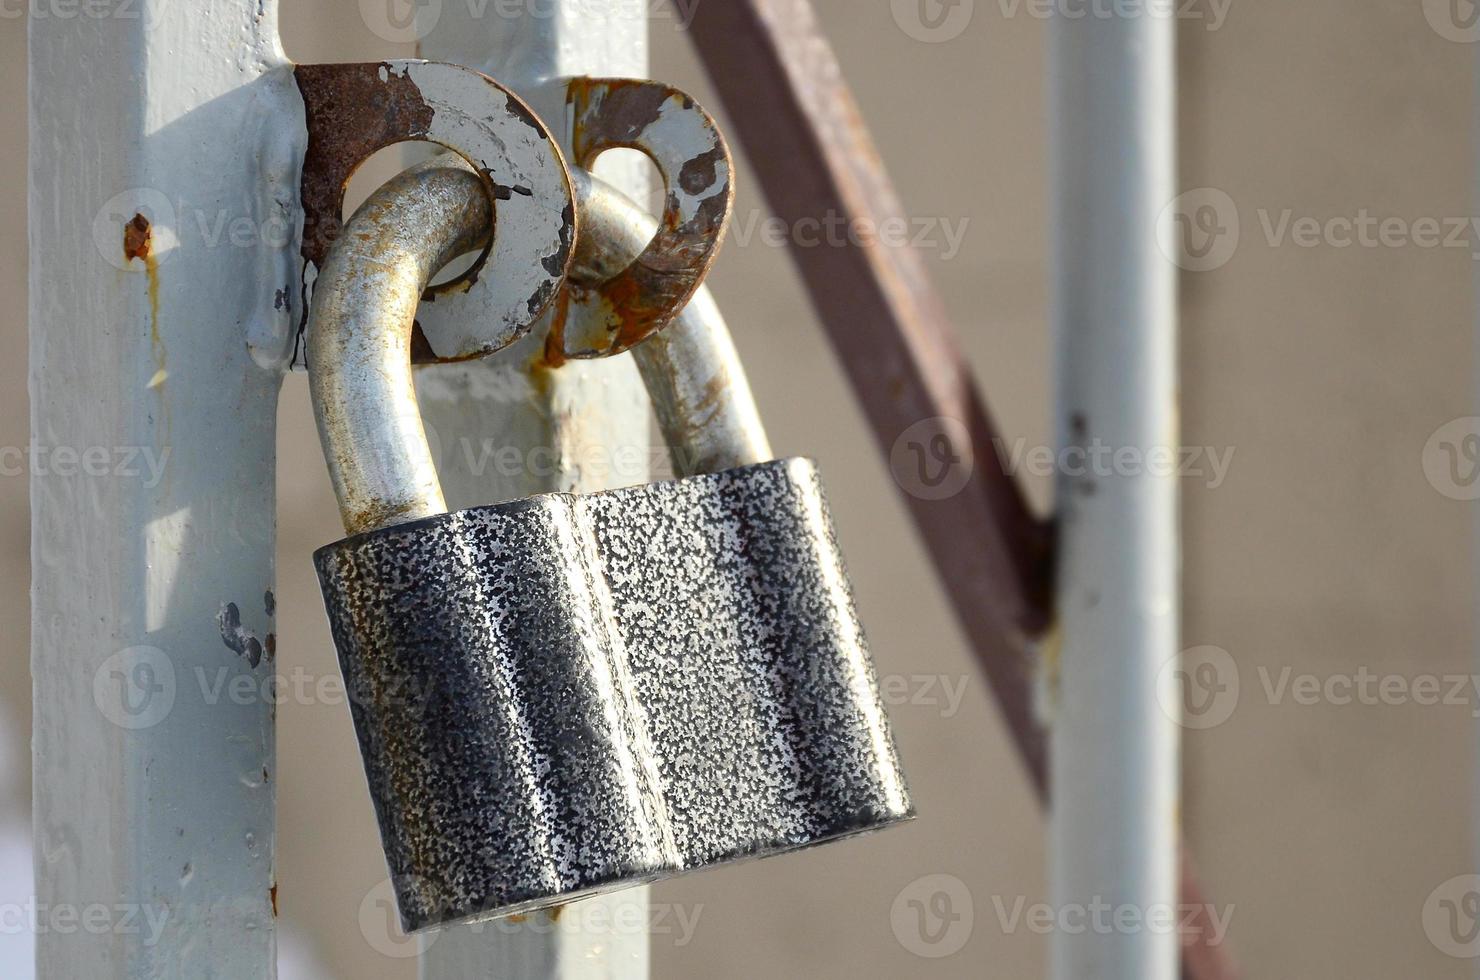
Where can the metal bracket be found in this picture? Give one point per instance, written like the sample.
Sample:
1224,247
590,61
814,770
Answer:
691,156
354,110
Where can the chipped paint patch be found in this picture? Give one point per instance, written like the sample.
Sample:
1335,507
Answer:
238,639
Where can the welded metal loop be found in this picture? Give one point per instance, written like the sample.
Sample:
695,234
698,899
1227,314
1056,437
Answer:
692,158
354,110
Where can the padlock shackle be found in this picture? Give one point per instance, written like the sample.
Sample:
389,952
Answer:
360,335
692,372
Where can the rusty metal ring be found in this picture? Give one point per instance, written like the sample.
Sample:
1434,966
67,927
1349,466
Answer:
353,110
690,154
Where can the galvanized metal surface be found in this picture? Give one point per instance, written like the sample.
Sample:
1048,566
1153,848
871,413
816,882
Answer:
355,109
161,348
566,694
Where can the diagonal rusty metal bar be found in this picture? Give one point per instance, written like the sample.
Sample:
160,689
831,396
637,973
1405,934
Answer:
796,118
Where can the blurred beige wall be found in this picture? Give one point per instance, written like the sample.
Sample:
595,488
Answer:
1323,829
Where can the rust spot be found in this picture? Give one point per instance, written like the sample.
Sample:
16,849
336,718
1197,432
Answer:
554,351
623,107
272,892
137,235
351,111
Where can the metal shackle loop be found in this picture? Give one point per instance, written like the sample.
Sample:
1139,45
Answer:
360,334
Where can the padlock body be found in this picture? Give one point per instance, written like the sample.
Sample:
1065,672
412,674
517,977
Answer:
569,694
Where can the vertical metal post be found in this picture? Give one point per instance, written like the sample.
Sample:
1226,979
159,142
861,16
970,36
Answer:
163,193
1114,750
514,425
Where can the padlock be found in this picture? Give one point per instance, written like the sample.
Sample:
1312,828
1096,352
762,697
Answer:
569,694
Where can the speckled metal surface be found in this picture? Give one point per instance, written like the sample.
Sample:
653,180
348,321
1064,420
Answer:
568,694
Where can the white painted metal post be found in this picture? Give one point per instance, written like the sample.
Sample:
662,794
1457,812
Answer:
1114,756
512,426
163,192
